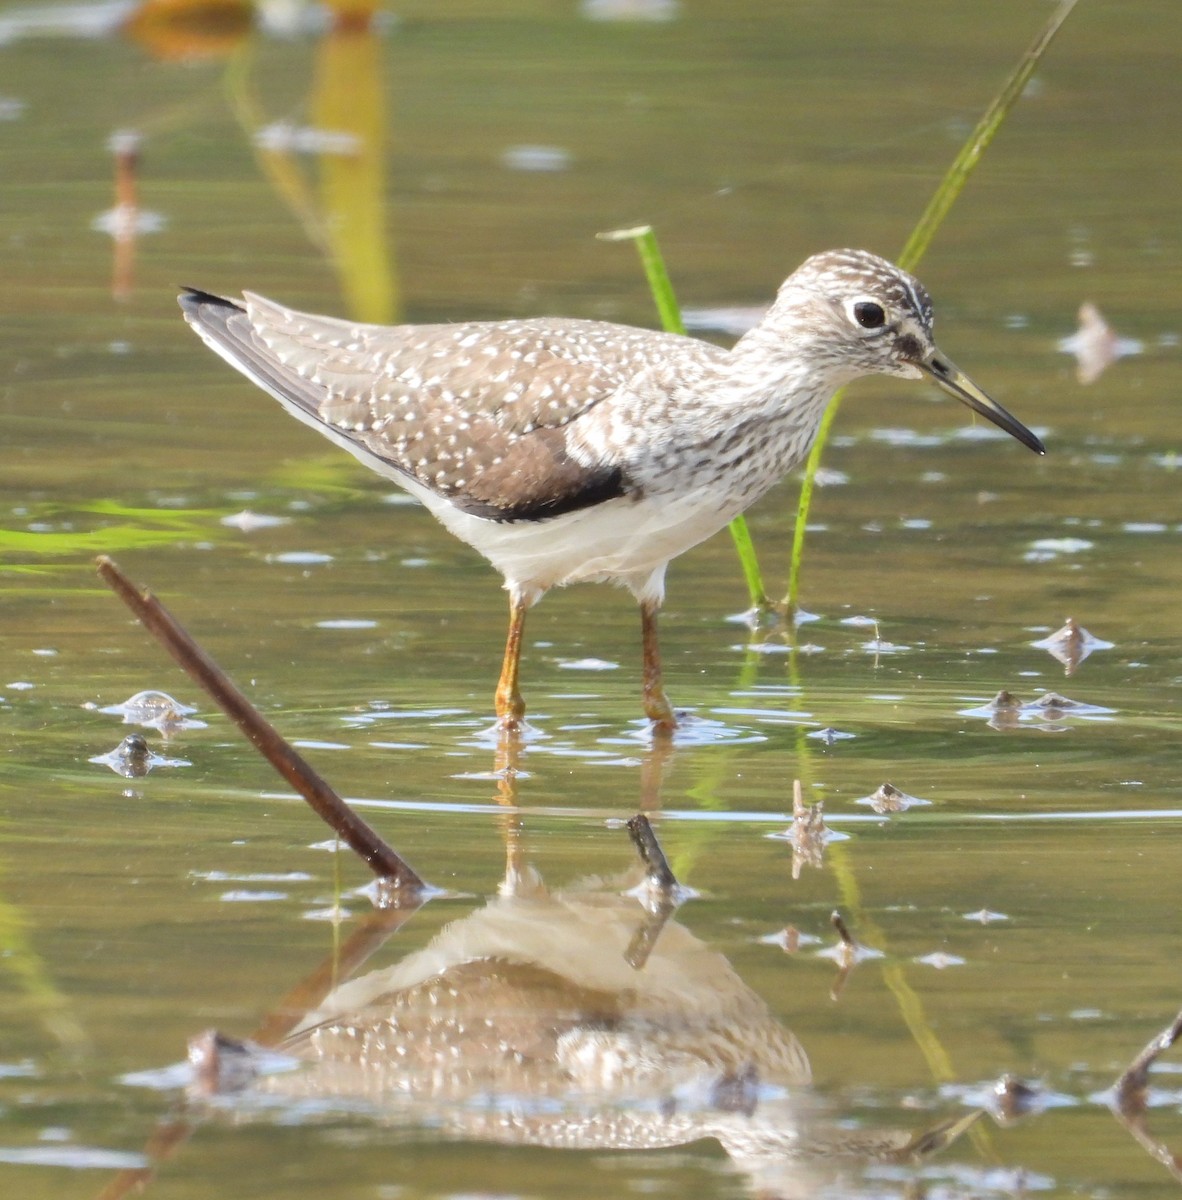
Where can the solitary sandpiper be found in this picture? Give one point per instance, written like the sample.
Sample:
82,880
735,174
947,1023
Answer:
569,450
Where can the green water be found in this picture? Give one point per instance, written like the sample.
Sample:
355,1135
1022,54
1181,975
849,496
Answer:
135,913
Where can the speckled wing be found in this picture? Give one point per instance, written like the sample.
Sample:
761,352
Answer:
475,412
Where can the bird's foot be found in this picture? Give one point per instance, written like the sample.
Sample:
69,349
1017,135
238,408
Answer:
509,705
660,712
507,737
512,726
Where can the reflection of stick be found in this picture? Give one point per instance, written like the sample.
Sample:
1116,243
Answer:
939,1137
658,873
644,940
1128,1098
847,939
659,877
847,954
349,827
166,1140
170,1135
1130,1087
341,965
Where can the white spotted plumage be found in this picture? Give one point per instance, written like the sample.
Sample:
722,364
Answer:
567,450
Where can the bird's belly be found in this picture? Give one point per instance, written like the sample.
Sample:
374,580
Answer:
625,540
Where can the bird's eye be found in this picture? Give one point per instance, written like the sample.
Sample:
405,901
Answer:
869,315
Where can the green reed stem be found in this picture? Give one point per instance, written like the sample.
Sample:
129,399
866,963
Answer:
655,272
749,561
670,313
978,141
945,195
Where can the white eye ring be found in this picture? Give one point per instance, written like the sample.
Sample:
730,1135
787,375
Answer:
867,314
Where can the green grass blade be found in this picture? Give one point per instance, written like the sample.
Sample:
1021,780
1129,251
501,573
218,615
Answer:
745,547
945,196
30,975
653,262
669,310
979,140
807,484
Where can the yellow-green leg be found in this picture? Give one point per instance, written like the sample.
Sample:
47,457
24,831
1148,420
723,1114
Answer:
509,704
656,704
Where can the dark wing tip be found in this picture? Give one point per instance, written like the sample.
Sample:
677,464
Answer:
191,298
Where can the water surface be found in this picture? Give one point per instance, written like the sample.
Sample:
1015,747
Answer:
1024,919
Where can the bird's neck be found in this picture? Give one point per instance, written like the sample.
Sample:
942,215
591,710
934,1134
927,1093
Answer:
785,379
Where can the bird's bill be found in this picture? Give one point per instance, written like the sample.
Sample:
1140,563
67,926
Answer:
956,383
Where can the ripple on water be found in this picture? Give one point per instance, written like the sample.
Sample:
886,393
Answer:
830,736
248,521
985,916
770,618
995,1096
961,1179
906,438
366,719
155,710
300,558
882,646
333,914
772,716
941,960
1047,712
889,799
1051,705
789,939
1050,549
252,877
692,730
536,158
73,1157
1071,644
846,953
133,758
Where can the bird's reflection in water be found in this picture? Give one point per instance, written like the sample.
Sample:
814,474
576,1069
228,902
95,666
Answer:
525,1021
580,1018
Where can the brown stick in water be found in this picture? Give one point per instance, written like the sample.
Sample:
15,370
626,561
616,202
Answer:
349,827
656,866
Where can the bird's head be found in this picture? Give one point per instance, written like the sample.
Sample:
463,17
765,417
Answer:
854,314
